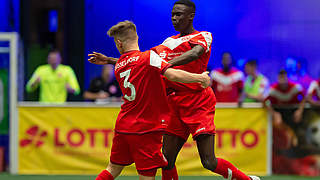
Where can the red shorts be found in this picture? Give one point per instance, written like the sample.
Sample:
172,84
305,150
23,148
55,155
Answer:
192,113
143,150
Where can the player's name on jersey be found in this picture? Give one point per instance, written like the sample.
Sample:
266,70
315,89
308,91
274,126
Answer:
124,63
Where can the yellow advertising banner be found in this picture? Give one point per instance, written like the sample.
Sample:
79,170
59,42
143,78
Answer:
77,140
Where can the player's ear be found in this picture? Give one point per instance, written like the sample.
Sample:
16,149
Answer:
119,43
191,16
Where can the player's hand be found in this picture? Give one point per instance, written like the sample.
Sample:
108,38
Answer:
205,80
277,119
309,99
103,95
69,89
297,116
99,59
36,82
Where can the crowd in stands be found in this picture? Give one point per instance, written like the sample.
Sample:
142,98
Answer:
294,86
231,85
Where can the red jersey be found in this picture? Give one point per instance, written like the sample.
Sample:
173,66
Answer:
314,89
145,107
175,46
292,95
227,86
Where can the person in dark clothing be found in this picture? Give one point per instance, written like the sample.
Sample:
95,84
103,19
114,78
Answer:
104,88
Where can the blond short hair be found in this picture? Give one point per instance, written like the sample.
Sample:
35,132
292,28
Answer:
124,30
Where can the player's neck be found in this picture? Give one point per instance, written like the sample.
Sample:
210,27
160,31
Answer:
255,75
131,47
187,31
54,66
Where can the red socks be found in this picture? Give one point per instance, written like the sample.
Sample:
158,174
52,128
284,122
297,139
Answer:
104,175
228,171
224,168
170,174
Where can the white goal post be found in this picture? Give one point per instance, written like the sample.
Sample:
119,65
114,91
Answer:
12,38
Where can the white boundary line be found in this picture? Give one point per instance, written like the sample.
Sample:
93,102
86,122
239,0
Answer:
13,43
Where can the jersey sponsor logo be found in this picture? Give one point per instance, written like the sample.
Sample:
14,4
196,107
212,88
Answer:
163,55
125,62
155,60
173,55
172,43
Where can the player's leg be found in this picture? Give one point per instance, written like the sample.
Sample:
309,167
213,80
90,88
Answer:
205,144
120,157
114,169
141,177
171,147
147,174
176,135
111,172
147,155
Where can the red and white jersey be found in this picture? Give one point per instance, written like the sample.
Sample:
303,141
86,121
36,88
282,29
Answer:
227,86
175,46
145,107
314,89
292,95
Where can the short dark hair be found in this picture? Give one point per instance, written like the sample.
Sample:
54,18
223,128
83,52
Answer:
55,51
187,3
282,72
252,62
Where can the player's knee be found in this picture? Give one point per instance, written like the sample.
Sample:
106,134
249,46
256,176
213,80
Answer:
209,163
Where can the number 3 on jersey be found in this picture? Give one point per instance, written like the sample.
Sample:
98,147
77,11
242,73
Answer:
127,84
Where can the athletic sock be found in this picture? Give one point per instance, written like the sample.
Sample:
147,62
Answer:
104,175
170,174
228,171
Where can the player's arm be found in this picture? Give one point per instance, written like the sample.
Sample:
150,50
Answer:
101,59
188,56
72,84
309,96
312,101
297,116
263,91
276,116
34,81
178,75
93,96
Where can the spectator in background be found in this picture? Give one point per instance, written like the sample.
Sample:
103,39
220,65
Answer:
286,118
104,88
297,72
284,93
227,82
313,94
256,84
54,79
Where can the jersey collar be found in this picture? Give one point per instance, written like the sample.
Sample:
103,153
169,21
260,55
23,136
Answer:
129,52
